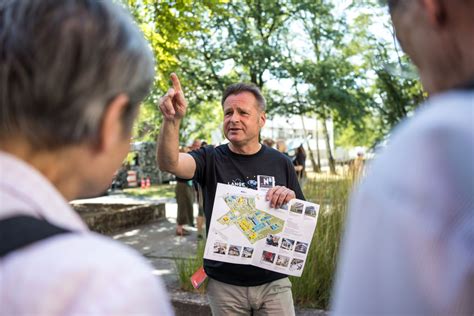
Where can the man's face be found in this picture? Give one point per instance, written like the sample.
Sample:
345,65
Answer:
242,119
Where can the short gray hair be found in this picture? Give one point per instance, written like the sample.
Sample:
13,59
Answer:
240,87
62,62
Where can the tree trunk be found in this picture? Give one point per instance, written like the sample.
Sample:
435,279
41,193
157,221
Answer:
316,167
332,163
318,153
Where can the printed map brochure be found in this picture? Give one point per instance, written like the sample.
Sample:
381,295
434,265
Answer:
246,230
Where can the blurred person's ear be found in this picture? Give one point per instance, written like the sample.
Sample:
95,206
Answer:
262,119
112,128
436,11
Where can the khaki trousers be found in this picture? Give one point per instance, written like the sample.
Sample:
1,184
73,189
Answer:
273,298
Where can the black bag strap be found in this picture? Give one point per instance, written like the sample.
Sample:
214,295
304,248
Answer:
20,231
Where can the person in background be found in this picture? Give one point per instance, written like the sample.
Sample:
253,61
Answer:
72,76
281,147
357,166
300,162
409,243
269,142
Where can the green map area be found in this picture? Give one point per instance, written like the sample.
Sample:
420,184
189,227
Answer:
253,223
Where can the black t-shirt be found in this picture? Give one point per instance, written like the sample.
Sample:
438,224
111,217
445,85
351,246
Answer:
221,165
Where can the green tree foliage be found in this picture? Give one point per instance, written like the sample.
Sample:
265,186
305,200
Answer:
389,75
337,71
171,29
253,41
399,94
366,133
329,79
242,42
238,41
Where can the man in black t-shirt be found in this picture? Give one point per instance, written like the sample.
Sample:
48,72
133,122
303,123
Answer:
233,288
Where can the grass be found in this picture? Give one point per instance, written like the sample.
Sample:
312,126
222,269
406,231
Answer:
162,190
313,288
187,266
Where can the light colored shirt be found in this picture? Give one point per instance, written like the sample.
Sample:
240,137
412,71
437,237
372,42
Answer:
409,242
79,273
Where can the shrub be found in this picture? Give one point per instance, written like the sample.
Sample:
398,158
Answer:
313,288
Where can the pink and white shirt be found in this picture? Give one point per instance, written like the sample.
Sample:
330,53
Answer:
81,273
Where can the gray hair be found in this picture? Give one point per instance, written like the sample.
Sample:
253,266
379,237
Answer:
61,64
240,87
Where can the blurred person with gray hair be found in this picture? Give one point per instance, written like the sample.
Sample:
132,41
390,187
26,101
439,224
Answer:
72,76
409,243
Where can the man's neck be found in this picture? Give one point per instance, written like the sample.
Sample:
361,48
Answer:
248,149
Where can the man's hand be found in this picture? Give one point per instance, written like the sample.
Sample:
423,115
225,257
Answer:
173,104
279,195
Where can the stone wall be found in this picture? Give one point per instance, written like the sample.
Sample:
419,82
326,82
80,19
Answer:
110,218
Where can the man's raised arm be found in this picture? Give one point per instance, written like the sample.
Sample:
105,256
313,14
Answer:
173,107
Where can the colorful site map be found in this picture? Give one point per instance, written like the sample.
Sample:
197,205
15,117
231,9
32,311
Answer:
253,223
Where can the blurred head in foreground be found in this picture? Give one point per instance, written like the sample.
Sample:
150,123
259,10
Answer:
72,74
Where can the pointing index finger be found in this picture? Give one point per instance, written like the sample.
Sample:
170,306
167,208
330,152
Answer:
176,83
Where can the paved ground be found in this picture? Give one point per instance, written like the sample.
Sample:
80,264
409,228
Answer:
159,244
156,241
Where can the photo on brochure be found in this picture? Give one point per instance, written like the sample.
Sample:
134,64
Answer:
268,256
297,208
247,252
287,244
234,250
310,210
273,240
220,248
282,261
301,247
296,264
